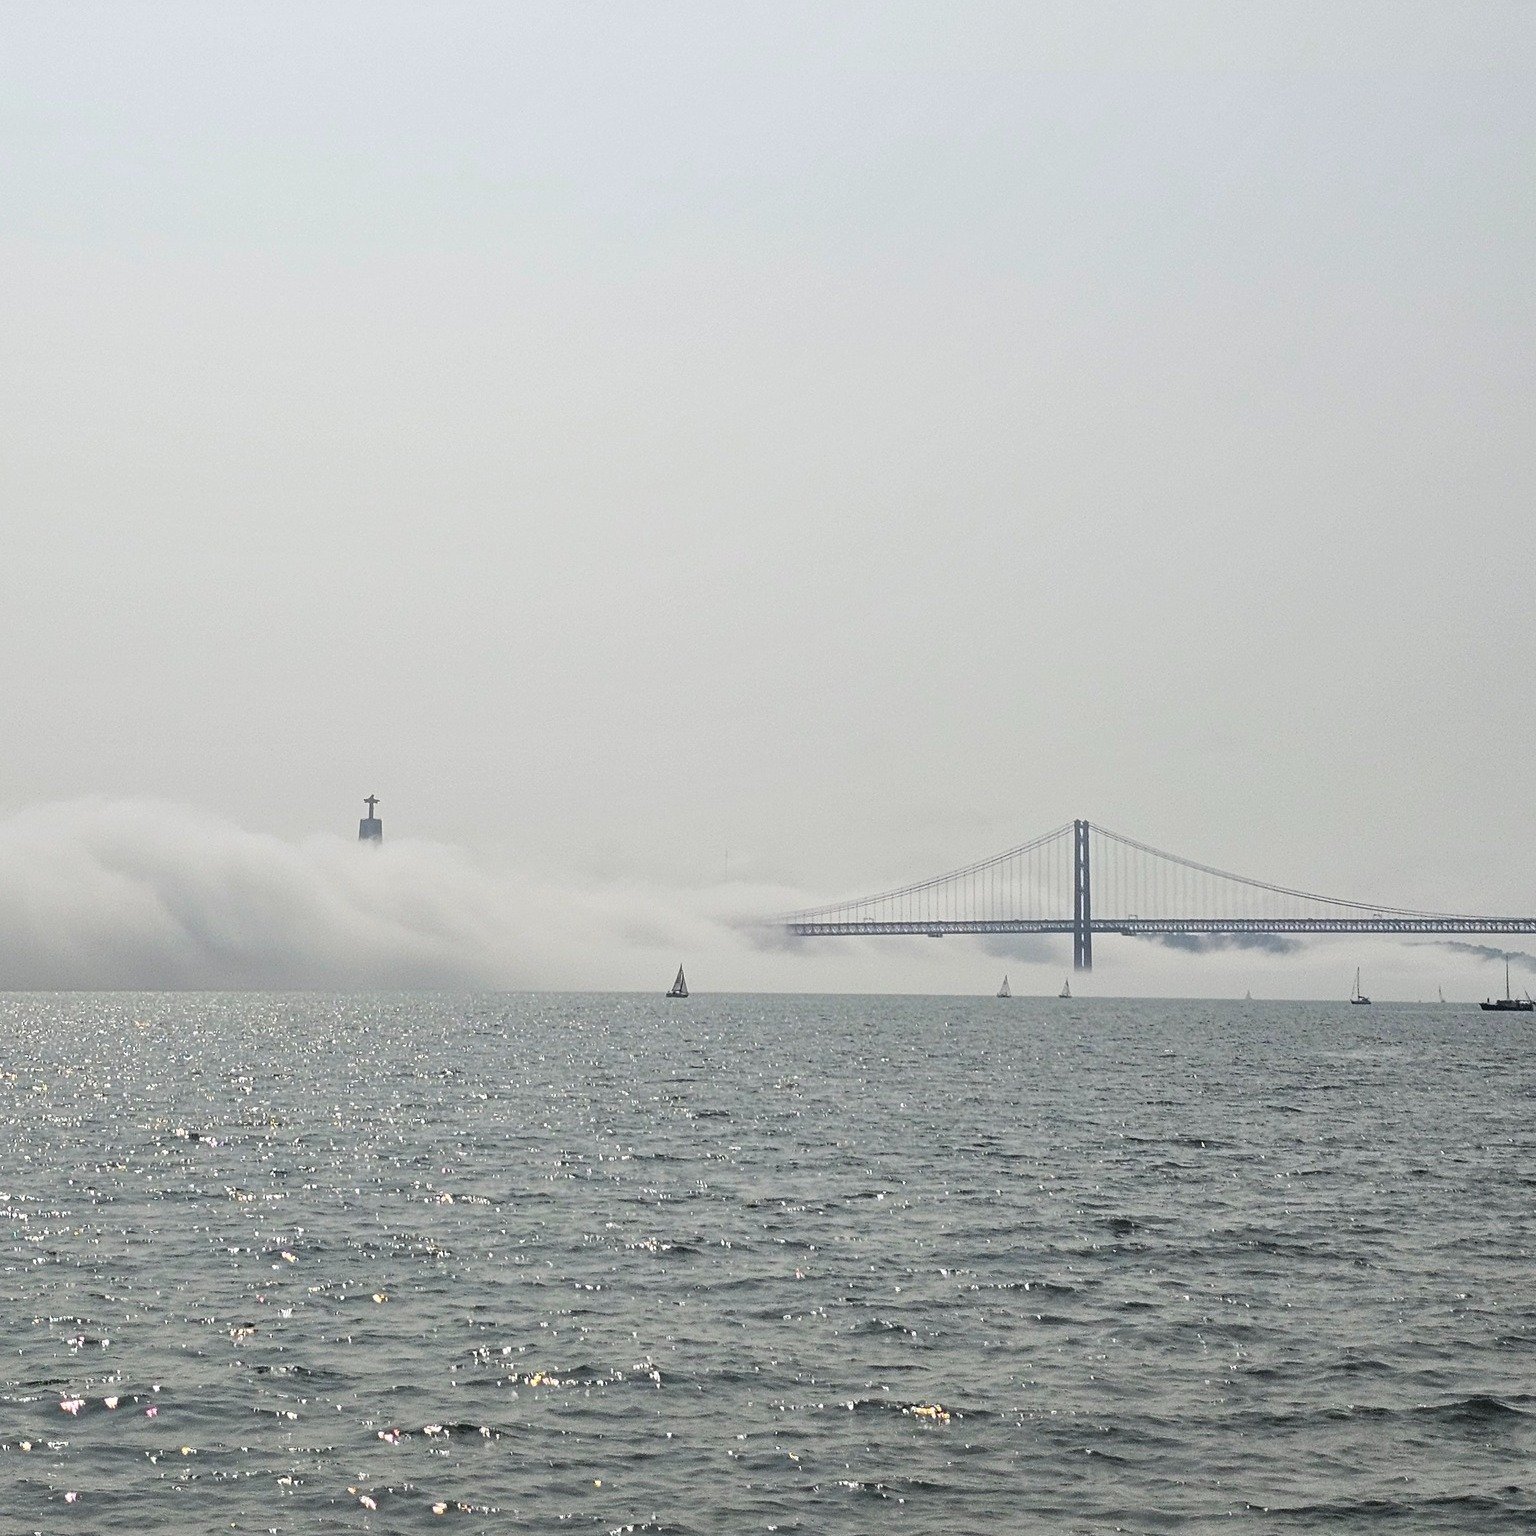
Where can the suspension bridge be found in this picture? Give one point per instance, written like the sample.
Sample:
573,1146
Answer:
1084,880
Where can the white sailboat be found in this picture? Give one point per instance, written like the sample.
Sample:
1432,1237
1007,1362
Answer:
1005,990
679,987
1357,996
1066,987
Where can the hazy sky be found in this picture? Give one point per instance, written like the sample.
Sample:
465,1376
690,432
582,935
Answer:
855,436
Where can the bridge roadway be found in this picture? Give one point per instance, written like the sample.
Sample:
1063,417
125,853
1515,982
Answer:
1131,926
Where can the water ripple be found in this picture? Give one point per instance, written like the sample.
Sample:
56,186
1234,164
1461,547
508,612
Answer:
298,1264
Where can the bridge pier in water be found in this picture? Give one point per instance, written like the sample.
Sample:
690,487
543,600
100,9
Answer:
1082,900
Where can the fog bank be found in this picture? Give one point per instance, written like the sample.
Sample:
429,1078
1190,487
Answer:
103,894
138,894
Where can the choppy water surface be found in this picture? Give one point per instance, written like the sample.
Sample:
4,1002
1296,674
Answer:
739,1264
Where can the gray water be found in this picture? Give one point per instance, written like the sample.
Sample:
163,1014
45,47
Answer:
577,1263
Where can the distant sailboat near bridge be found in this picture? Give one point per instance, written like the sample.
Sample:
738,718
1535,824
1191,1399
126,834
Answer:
1084,880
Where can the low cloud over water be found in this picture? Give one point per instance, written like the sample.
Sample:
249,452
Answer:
138,894
1520,959
1207,943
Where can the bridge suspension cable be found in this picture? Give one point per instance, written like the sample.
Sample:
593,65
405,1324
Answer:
1105,836
1026,877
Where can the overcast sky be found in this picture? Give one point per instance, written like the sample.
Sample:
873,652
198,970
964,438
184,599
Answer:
856,437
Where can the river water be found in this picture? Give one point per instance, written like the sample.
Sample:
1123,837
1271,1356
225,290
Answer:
553,1263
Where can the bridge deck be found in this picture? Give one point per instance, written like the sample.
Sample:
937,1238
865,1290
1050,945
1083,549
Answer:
1157,925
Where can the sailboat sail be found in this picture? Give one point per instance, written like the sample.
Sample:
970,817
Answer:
680,986
1005,990
1066,987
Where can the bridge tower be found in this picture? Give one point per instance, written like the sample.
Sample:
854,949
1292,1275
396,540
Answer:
1082,900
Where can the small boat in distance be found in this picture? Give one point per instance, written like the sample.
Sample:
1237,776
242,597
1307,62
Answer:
1005,990
1508,1003
1357,996
1066,987
679,987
